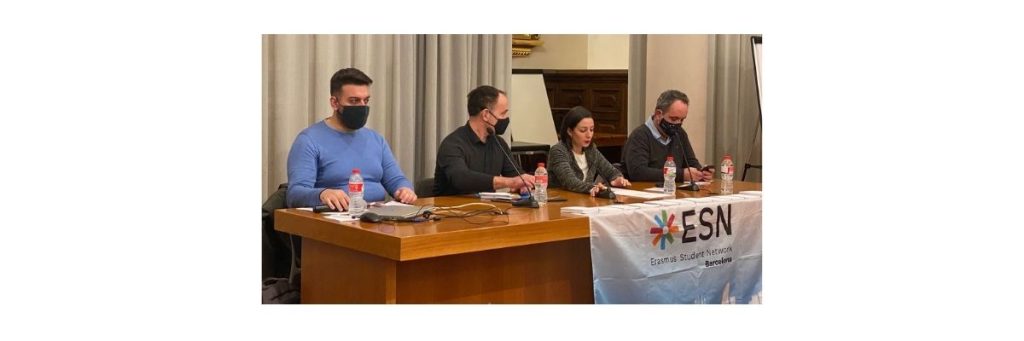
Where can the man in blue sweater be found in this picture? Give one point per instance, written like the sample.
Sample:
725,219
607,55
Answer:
323,155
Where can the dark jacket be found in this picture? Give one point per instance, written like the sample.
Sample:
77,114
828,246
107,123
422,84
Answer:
643,156
276,253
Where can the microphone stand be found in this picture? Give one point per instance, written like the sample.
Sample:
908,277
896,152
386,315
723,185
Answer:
686,164
527,201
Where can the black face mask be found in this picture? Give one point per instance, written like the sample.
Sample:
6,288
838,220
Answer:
354,117
669,128
502,125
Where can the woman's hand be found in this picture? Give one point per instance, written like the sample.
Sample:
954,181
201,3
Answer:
621,182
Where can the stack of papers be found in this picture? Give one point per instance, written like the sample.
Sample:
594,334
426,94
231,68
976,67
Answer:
641,194
498,196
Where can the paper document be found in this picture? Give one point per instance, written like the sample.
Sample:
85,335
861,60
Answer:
735,197
699,183
642,205
580,210
639,194
619,207
663,202
498,196
340,217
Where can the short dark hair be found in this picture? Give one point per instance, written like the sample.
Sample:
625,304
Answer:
348,76
482,97
668,97
570,120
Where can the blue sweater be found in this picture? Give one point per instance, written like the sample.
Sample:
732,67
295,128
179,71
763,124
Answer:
323,158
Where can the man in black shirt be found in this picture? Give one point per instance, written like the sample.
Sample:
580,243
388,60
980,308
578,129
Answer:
470,159
649,145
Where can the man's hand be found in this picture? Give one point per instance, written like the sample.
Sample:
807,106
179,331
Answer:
336,199
405,195
692,173
708,173
518,184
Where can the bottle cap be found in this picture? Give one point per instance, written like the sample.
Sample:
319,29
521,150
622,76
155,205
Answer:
355,170
540,164
669,159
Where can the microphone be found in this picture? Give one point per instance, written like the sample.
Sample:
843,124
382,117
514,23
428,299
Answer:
528,201
606,193
682,148
324,208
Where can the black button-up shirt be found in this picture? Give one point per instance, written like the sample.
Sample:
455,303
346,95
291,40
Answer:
467,165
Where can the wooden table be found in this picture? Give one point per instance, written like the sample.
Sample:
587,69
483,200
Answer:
526,256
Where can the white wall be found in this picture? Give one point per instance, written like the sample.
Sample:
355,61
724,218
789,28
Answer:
532,113
608,51
681,62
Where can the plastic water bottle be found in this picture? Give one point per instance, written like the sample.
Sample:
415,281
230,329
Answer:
356,204
670,176
727,172
540,177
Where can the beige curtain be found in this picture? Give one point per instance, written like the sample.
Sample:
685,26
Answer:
451,66
418,94
732,105
636,108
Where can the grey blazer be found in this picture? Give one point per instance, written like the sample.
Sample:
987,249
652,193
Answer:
563,171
